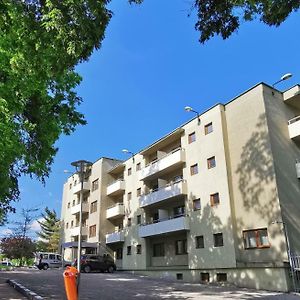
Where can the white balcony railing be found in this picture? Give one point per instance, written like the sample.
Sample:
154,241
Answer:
75,231
169,191
115,211
294,127
156,167
164,226
115,188
115,237
76,209
77,187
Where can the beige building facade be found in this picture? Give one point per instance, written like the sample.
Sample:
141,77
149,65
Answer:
217,199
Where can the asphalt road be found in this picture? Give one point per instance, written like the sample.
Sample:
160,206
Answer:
49,284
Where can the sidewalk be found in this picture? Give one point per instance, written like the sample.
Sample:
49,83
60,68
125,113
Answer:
7,292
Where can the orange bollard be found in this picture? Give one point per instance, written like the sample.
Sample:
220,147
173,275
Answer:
70,276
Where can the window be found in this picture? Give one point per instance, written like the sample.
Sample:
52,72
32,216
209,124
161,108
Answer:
178,211
179,276
214,199
158,250
221,277
129,222
204,277
119,253
72,224
194,169
211,162
93,207
95,185
208,128
73,203
129,196
129,171
197,204
69,204
138,166
199,242
138,192
257,238
92,231
138,249
218,240
67,225
138,219
192,137
128,250
181,247
70,185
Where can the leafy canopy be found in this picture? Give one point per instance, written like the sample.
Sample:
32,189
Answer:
222,18
41,42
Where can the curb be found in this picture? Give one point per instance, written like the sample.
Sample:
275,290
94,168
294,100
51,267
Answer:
24,291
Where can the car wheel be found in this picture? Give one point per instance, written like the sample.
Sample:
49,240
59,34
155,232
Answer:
45,267
110,269
87,269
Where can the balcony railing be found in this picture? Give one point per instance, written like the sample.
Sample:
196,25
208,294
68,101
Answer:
115,188
294,127
179,223
168,162
76,209
77,187
115,211
115,237
169,191
75,231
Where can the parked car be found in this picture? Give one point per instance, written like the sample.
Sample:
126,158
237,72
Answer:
46,260
6,265
93,262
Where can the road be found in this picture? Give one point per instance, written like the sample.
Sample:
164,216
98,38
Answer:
49,284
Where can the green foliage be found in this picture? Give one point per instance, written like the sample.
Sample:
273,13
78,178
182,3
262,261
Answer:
41,42
50,231
222,18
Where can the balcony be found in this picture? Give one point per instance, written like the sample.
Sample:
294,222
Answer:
294,128
115,237
77,187
164,193
165,164
76,209
116,188
75,231
164,226
115,211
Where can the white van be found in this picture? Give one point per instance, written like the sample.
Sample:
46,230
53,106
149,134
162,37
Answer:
46,260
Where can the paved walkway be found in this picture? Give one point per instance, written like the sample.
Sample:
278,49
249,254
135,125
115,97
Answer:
7,292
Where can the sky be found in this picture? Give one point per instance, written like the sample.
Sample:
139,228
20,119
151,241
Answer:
150,66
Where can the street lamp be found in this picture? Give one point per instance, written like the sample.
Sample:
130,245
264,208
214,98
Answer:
82,167
188,109
283,78
129,152
288,247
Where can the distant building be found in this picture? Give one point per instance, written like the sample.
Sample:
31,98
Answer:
204,203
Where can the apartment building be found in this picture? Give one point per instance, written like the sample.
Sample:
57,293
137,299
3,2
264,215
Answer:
217,199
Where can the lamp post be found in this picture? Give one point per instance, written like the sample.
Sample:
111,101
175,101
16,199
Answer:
288,248
129,152
283,78
188,109
82,167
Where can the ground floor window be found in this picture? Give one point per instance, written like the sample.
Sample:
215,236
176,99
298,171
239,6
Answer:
204,276
221,277
181,247
128,250
119,253
218,240
158,250
256,238
138,249
179,276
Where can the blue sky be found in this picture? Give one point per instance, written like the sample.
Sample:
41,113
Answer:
150,66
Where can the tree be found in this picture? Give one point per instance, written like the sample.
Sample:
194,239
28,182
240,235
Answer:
50,230
41,43
222,18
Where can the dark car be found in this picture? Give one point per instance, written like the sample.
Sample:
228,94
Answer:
92,262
